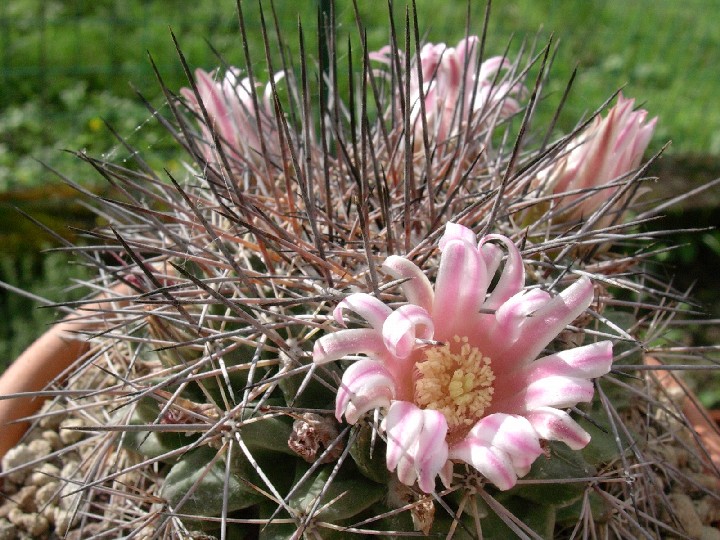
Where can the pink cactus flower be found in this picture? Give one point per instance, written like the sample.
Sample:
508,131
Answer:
455,371
233,117
607,150
456,89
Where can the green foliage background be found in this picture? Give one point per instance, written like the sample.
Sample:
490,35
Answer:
66,68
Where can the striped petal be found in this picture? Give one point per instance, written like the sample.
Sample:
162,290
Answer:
492,463
368,307
432,451
356,341
417,288
459,289
403,326
416,445
588,362
556,425
366,385
512,278
455,231
510,317
492,256
548,321
402,425
558,392
513,435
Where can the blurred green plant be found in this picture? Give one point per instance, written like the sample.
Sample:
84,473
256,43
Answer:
28,145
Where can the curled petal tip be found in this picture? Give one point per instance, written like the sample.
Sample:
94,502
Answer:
557,425
366,385
403,326
455,231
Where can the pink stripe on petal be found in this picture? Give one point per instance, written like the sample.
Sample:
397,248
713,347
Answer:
492,463
556,425
402,425
558,392
356,341
368,307
491,66
417,289
511,434
432,449
492,255
459,288
512,278
517,438
587,362
468,47
366,385
509,320
548,321
485,429
403,326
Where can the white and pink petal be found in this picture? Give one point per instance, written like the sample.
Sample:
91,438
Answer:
416,287
492,463
416,445
459,288
455,231
512,278
550,319
432,450
555,425
366,385
588,362
556,391
513,435
402,426
404,325
370,308
349,342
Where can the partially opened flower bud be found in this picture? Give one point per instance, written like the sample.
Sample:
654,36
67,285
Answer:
456,89
606,151
233,118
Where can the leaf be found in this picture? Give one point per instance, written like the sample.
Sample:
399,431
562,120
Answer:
197,474
563,464
271,433
151,443
373,465
353,492
603,446
537,516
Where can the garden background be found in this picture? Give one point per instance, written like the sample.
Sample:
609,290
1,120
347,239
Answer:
69,67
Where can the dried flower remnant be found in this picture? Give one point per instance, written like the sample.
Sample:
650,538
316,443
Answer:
457,89
607,150
311,435
455,370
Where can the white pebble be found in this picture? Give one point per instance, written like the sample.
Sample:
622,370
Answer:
45,473
70,436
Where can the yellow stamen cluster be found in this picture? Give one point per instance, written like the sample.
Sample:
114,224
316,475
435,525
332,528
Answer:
455,379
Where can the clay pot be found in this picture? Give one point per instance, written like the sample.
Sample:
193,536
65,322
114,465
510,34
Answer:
45,361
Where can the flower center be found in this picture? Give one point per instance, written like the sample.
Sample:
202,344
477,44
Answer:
455,379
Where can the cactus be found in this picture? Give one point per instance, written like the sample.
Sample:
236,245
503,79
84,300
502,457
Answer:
228,398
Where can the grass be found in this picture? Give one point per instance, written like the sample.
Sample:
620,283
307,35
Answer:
66,67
